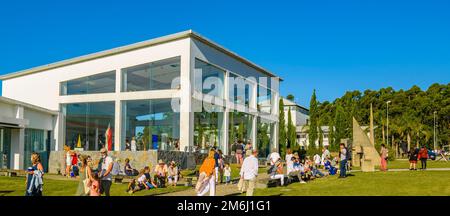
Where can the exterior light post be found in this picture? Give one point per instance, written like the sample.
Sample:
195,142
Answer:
434,117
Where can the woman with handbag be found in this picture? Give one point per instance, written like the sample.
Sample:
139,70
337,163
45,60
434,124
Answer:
85,177
384,157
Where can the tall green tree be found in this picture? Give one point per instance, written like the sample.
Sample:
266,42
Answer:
340,125
290,97
292,136
282,139
313,120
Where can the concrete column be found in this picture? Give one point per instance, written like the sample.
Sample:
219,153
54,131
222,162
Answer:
117,125
118,113
186,114
254,131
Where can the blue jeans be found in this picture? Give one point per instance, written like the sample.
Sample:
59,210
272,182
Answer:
343,167
227,179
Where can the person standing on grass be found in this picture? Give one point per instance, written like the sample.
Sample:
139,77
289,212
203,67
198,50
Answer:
227,173
249,172
35,175
206,179
239,152
384,157
343,160
423,156
85,177
289,161
413,154
105,172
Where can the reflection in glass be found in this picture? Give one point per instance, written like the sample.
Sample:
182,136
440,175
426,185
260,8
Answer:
87,124
265,136
98,83
152,124
240,128
208,127
151,76
209,79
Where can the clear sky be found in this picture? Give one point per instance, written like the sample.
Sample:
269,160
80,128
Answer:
332,46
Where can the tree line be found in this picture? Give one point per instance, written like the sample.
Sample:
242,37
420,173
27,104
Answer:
412,116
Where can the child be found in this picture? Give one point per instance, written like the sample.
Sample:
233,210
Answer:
227,173
95,189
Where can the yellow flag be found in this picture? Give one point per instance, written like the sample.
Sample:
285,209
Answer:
79,141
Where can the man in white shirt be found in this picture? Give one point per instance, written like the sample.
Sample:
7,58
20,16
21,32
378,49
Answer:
274,157
249,172
105,173
289,162
325,155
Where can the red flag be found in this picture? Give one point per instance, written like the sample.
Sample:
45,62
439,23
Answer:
108,135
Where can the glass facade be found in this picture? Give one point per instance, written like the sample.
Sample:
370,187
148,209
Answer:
240,128
265,136
208,126
5,148
209,79
240,90
151,123
86,124
98,83
151,76
265,99
36,141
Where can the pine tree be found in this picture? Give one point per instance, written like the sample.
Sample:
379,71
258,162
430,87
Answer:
291,134
340,125
282,129
313,120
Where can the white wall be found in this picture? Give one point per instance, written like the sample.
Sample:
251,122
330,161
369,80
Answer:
42,88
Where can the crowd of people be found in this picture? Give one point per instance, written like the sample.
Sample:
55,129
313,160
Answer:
98,181
296,167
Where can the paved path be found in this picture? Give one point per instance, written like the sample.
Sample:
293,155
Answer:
221,190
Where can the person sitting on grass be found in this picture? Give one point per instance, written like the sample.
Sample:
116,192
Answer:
161,174
277,173
331,169
173,174
296,170
129,171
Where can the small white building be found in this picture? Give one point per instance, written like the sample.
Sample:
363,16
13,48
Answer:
303,135
177,92
24,128
299,114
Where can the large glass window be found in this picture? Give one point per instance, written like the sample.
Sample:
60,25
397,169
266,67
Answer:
151,76
240,90
36,141
209,79
208,127
264,99
240,128
265,136
152,124
86,124
95,84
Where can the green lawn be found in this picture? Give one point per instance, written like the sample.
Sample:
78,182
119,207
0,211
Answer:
404,164
405,183
15,186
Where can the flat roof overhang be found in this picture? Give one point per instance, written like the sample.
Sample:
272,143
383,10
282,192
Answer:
135,46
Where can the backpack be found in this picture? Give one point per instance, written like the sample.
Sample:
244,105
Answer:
271,169
348,154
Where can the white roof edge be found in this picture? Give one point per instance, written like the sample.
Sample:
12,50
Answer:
27,105
131,47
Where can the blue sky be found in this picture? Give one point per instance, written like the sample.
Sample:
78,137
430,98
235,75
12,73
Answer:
331,46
